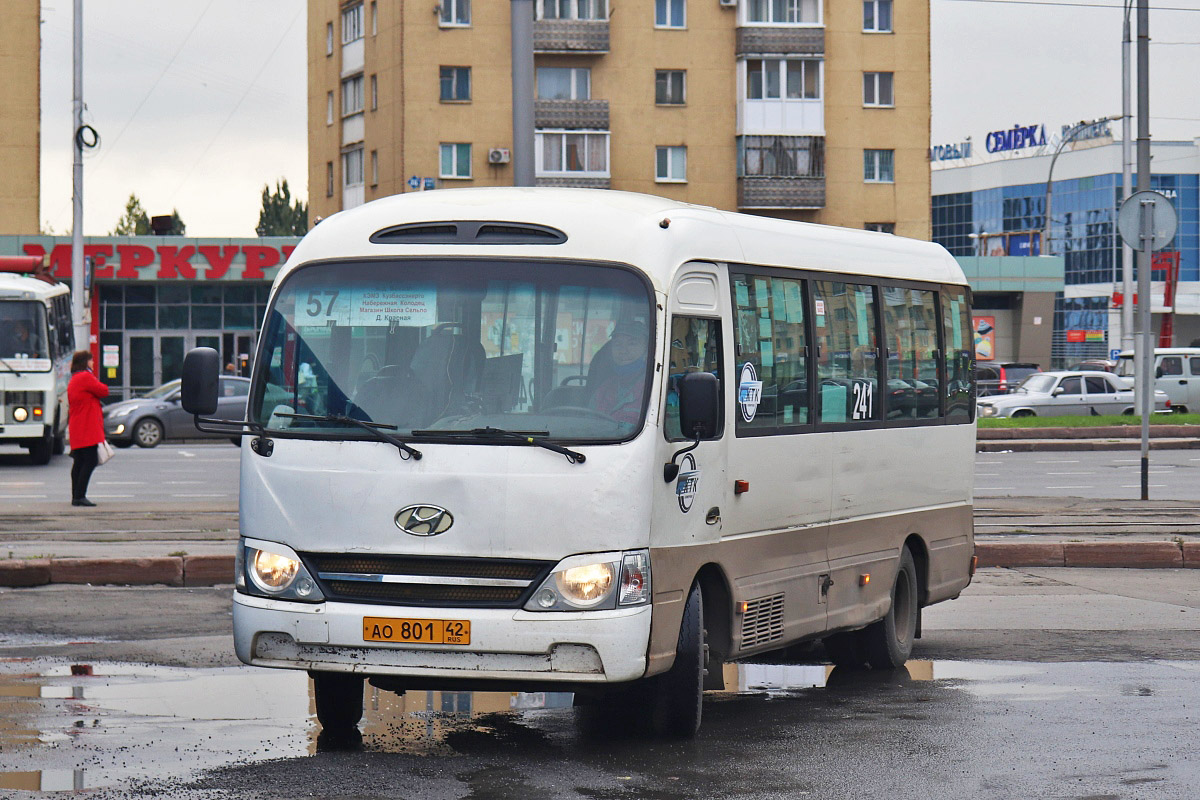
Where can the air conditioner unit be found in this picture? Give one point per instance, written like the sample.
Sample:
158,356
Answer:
499,155
729,3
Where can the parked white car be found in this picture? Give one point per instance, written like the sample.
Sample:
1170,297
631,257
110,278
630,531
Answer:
1065,393
1177,372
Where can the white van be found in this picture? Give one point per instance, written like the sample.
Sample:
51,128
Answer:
1177,372
36,344
596,442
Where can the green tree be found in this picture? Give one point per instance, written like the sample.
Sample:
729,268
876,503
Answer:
135,221
279,215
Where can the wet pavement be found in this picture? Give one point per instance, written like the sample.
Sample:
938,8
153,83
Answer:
985,729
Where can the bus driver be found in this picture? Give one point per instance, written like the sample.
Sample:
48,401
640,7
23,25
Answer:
619,394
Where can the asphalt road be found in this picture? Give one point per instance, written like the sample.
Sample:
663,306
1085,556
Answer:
1036,683
1174,474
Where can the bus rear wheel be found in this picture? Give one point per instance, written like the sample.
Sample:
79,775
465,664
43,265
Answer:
339,700
887,644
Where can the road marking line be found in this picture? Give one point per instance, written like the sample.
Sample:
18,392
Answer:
1057,462
22,496
23,484
987,474
186,454
997,463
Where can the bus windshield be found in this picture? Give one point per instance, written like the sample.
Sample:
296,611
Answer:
23,330
447,348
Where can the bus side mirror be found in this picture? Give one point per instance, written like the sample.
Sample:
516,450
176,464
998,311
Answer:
699,405
201,368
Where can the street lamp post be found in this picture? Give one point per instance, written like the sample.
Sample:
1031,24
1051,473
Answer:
1066,139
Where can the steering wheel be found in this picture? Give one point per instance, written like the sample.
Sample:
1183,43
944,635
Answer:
581,411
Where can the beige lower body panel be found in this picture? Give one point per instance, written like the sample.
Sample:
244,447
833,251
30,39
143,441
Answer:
786,569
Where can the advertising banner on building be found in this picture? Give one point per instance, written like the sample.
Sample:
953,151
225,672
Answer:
985,337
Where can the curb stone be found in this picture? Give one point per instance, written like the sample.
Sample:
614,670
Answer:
1137,555
170,571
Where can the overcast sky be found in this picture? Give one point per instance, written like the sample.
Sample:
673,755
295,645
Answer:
199,103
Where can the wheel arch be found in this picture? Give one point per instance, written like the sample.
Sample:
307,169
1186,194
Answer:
718,619
920,554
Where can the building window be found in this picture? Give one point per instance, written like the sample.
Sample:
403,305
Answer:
456,84
328,38
783,79
329,179
879,166
881,227
877,89
564,83
670,13
455,161
352,95
455,13
781,156
573,9
671,164
670,87
374,167
329,108
571,153
352,24
374,93
374,18
352,167
877,16
783,12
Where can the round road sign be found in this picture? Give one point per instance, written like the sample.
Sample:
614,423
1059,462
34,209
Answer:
1163,220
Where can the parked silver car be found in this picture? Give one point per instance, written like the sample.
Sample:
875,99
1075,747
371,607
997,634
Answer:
1064,393
147,420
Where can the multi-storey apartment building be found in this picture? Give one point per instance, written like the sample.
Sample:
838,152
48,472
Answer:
20,47
796,108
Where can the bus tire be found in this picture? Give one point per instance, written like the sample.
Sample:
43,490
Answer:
41,450
889,642
339,700
679,693
60,440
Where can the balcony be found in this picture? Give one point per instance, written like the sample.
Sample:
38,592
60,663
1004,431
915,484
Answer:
793,116
781,41
761,191
568,182
571,114
585,36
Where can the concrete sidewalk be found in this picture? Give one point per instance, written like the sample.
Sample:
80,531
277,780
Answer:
56,543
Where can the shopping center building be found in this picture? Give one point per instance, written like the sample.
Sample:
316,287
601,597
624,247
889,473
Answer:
998,208
152,298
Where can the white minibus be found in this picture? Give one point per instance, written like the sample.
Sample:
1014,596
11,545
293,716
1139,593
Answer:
526,439
36,343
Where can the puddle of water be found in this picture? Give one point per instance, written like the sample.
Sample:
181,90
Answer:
128,722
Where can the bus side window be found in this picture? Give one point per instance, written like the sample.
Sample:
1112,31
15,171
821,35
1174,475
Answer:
695,347
771,353
959,355
847,352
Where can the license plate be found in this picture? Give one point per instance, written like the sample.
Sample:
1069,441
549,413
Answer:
417,631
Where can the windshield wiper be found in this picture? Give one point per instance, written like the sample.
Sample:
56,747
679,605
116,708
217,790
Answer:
529,437
406,452
10,367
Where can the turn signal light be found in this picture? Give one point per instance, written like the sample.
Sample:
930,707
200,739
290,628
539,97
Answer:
741,487
864,579
974,563
37,411
742,607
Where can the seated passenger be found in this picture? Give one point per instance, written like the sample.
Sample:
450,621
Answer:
619,394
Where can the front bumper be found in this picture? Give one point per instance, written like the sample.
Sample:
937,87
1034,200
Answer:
25,431
506,644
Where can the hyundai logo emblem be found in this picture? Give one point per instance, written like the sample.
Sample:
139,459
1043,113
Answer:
424,520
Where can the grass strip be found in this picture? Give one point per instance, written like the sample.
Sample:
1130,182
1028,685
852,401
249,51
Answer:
1088,422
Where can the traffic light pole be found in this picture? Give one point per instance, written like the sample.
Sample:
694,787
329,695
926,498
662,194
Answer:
1145,368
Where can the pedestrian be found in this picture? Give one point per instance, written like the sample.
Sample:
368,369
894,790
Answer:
86,423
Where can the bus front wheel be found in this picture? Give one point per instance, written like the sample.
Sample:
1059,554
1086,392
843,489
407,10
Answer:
41,450
339,700
679,692
887,644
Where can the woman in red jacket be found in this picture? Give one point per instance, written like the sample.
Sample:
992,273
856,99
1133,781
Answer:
86,423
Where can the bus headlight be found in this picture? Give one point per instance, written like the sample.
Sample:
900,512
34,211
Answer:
273,570
20,414
583,585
